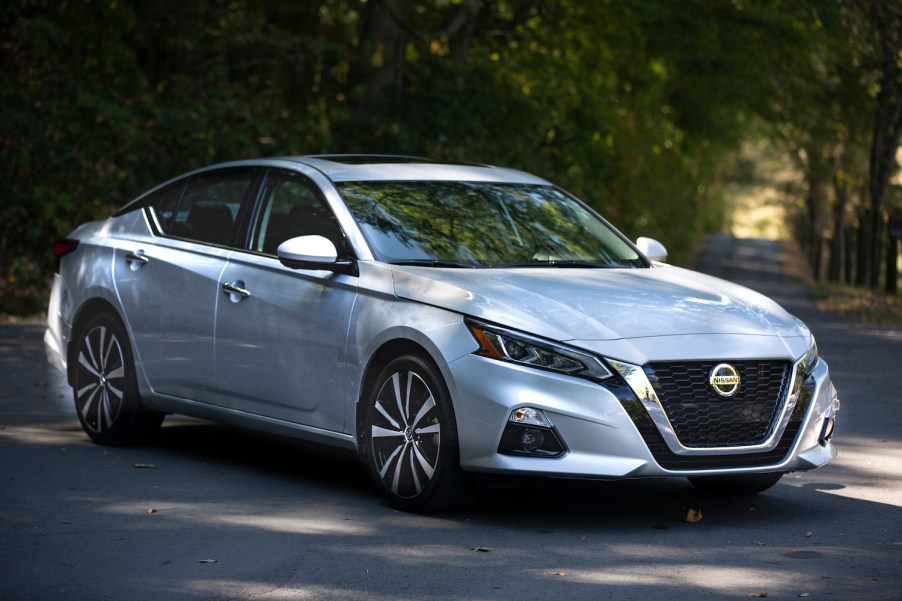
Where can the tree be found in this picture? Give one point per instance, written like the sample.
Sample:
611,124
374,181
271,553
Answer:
887,132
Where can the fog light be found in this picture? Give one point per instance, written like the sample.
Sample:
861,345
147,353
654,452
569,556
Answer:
528,440
531,439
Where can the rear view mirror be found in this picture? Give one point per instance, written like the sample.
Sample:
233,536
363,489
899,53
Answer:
652,249
313,252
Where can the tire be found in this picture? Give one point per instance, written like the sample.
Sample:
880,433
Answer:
105,388
749,484
409,439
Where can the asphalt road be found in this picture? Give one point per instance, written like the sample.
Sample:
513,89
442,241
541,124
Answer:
209,512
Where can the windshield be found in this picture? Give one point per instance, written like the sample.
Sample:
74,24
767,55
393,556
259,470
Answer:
454,224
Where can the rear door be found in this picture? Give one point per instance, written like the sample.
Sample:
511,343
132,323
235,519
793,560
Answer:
168,283
281,342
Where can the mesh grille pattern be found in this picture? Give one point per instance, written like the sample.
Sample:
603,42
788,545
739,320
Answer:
701,418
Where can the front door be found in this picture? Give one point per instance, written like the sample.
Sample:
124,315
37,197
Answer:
281,334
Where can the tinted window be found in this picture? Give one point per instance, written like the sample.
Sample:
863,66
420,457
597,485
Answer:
483,225
290,207
208,208
164,203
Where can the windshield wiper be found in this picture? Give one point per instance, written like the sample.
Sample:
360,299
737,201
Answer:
433,263
563,264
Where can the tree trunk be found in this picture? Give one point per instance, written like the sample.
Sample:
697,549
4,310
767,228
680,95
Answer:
818,208
841,188
887,18
863,273
892,257
383,43
460,27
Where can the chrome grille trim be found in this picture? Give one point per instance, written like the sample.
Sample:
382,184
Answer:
638,381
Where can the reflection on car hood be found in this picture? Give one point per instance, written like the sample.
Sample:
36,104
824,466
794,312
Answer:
599,304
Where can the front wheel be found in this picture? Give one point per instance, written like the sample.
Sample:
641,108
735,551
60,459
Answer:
410,439
105,387
740,484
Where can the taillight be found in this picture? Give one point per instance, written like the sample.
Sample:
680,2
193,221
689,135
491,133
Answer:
60,250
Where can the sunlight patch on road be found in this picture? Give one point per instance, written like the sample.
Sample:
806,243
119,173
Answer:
866,469
266,591
872,472
57,434
313,520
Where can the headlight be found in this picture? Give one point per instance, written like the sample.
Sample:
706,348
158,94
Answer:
809,361
522,349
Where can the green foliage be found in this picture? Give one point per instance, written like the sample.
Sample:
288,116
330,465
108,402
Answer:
630,104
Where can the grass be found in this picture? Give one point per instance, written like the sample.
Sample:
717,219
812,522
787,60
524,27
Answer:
860,304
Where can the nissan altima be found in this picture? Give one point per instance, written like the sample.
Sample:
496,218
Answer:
443,320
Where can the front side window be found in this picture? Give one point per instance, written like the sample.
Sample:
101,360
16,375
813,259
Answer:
289,208
483,225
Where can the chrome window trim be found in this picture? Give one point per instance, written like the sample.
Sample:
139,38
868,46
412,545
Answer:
638,381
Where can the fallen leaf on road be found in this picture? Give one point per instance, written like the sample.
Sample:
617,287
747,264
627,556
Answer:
147,466
693,515
480,549
151,510
758,595
556,573
67,522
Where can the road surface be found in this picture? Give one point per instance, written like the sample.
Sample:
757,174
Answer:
209,512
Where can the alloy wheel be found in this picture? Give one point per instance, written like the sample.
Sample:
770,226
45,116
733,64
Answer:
100,379
406,434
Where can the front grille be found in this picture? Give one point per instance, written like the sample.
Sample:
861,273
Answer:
703,419
671,461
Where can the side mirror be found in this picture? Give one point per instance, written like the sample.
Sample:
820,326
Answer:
652,249
313,252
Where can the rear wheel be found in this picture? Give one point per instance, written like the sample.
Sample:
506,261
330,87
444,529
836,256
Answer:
105,388
745,484
410,439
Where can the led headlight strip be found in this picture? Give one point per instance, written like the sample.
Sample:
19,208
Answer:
515,347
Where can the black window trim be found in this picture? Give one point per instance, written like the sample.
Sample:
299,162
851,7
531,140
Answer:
242,219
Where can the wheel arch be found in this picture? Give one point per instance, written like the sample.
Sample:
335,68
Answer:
388,351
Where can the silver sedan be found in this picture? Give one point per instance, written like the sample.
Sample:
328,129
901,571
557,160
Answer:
444,320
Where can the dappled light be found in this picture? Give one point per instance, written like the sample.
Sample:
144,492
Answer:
308,520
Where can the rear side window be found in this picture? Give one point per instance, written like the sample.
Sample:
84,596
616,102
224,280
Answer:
204,208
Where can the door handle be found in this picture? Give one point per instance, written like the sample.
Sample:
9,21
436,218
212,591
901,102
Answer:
236,291
136,260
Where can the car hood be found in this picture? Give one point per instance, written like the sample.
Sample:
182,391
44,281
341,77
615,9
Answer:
599,304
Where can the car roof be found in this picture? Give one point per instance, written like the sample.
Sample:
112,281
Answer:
369,168
358,167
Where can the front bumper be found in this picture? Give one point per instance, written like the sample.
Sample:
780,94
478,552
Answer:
597,424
